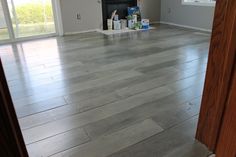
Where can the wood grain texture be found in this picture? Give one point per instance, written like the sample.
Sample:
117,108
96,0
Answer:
227,142
11,140
106,145
71,91
177,141
220,65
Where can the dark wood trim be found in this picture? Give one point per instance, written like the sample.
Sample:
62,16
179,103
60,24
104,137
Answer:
11,139
219,70
227,142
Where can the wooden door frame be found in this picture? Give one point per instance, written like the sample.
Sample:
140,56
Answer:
226,146
11,139
219,73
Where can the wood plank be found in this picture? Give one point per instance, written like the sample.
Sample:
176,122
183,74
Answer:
166,111
116,141
62,125
58,143
178,140
76,87
92,103
42,106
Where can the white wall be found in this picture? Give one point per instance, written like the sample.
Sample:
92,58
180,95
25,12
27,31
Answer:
173,11
91,14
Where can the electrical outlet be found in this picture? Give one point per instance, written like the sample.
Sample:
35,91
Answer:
78,16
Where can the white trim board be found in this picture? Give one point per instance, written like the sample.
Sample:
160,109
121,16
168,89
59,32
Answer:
154,22
114,32
186,26
25,39
56,5
87,31
199,3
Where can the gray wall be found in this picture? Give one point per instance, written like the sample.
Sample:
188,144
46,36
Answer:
173,11
151,9
89,10
91,14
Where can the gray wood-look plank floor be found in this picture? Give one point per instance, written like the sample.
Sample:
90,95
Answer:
130,95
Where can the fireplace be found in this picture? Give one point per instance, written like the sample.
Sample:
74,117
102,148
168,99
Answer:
108,6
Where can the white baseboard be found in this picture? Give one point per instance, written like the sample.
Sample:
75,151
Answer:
87,31
154,22
97,30
185,26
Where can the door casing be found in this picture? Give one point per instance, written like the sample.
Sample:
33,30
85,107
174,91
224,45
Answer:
219,74
11,139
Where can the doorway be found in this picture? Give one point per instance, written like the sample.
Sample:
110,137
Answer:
20,19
